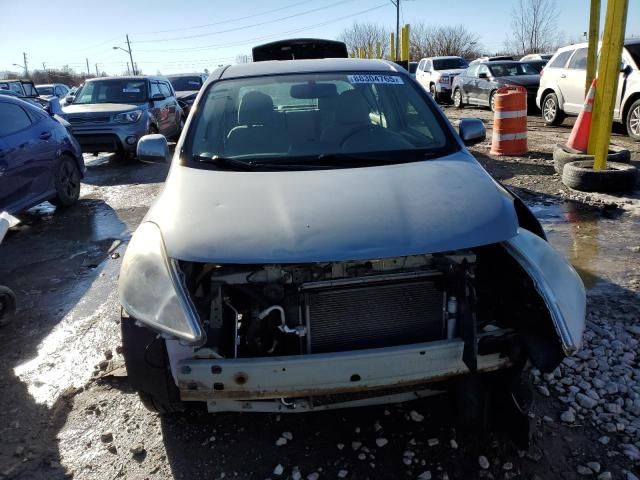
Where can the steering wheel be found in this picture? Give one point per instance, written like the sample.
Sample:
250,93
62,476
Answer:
379,130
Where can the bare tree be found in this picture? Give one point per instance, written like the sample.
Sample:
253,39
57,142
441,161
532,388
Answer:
534,26
365,35
433,40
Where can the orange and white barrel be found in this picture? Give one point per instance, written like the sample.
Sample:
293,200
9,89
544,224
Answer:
510,121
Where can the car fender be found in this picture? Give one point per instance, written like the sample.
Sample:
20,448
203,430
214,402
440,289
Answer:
558,284
556,89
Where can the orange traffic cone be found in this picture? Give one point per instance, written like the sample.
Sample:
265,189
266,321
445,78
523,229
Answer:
579,138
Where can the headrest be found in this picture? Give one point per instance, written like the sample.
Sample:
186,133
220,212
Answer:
352,108
256,108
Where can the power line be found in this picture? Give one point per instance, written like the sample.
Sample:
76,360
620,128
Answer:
237,19
235,29
263,37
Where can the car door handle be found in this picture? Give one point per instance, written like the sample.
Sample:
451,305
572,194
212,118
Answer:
563,76
45,135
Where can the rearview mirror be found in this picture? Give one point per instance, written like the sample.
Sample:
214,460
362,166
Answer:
313,90
472,131
153,148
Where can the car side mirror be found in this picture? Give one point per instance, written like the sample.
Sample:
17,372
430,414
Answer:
153,148
157,96
483,75
69,99
626,69
472,131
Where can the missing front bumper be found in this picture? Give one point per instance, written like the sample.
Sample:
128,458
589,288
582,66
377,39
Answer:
221,380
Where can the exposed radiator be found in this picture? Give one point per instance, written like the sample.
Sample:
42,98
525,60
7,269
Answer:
374,315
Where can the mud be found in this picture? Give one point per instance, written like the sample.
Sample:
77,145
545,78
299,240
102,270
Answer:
67,412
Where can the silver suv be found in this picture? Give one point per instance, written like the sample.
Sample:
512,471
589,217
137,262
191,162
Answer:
112,114
562,82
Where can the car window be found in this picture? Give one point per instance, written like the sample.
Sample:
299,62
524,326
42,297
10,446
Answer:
579,60
113,91
186,84
483,69
155,89
511,69
421,65
633,50
449,63
14,119
45,90
165,90
308,115
472,70
561,60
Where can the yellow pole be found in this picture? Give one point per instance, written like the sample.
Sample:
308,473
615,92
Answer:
378,50
369,51
405,42
362,53
592,55
608,74
392,55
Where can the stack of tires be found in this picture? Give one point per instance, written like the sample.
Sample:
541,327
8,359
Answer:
578,173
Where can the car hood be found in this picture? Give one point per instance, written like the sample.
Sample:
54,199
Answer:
453,71
331,215
186,93
100,108
524,80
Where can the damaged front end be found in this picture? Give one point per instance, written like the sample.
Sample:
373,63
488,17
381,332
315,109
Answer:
297,337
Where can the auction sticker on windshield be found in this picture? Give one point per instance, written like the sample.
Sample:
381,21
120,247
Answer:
385,79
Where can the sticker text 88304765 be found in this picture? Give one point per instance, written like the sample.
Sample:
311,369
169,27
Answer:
370,78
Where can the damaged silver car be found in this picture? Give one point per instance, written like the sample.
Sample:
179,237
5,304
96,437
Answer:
325,239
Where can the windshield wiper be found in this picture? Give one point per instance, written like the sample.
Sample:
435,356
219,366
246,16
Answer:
225,162
393,157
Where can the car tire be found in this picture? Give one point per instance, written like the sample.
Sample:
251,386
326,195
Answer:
7,305
433,92
457,98
632,122
618,177
492,101
67,182
145,356
551,112
561,157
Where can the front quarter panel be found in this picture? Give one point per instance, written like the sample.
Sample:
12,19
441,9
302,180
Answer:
558,284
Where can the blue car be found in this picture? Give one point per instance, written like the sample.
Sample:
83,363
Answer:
39,158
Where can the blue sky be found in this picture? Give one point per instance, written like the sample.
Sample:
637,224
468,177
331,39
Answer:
66,33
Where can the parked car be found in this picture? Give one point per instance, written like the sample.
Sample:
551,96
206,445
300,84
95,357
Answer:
39,158
536,56
325,239
112,114
187,86
53,90
562,87
24,88
538,65
478,84
436,74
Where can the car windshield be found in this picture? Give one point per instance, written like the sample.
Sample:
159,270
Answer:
13,86
634,51
184,84
512,69
113,91
42,90
308,116
449,63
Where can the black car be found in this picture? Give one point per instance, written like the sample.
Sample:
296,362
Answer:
477,85
187,86
537,64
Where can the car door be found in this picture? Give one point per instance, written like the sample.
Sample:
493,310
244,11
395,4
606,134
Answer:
158,110
173,120
420,71
470,83
483,85
572,81
28,150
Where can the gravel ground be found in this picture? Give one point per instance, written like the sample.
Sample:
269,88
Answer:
67,411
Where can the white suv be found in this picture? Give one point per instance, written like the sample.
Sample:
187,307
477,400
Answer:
562,83
436,75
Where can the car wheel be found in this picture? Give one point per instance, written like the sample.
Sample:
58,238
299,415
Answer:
145,356
633,121
457,98
67,183
492,101
551,112
7,305
433,92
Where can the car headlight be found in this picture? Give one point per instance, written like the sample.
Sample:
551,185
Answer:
128,117
151,290
444,79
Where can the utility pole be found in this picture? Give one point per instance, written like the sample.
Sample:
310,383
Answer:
396,3
131,56
26,69
88,69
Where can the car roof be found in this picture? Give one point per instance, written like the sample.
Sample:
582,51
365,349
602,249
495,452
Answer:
627,41
283,67
504,62
441,57
127,77
178,75
47,85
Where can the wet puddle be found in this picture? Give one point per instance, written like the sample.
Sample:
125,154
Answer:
603,245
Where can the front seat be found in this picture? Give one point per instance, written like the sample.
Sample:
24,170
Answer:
351,115
257,130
